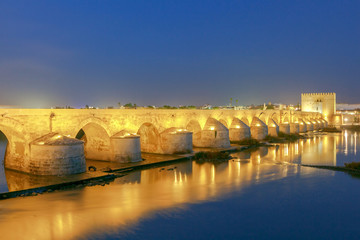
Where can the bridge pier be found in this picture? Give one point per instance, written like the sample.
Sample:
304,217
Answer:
325,123
174,140
54,154
125,147
258,129
273,128
302,126
309,126
170,141
315,124
294,128
284,128
239,130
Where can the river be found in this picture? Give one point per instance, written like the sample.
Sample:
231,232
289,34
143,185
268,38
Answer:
262,194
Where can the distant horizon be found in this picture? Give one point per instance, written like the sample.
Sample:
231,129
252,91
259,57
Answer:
157,106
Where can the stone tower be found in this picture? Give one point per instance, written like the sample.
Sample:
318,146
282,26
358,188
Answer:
324,103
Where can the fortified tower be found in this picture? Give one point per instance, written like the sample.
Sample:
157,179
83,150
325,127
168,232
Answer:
324,103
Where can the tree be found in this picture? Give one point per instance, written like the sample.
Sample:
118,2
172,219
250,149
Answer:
119,104
230,101
128,105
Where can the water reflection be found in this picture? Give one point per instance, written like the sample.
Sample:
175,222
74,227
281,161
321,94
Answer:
90,210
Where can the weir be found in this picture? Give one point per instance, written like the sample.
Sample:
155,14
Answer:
57,141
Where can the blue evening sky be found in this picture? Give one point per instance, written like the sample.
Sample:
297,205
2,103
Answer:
177,52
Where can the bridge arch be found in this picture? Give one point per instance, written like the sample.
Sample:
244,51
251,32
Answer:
96,137
286,119
245,120
275,118
224,122
262,116
91,120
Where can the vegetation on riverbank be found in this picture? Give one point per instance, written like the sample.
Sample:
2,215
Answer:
283,137
353,165
330,129
354,128
201,157
352,168
247,142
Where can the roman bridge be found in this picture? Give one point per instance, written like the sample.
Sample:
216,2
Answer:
45,141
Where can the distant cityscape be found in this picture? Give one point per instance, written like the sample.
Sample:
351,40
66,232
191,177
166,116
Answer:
340,107
205,106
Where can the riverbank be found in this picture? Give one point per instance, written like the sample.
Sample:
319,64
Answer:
351,171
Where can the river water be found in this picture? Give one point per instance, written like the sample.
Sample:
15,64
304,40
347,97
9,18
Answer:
262,194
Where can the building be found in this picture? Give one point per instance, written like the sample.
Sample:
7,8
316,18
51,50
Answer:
324,103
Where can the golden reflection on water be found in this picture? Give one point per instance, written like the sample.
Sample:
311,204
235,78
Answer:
81,212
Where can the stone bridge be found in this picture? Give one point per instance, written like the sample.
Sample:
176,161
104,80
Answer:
45,141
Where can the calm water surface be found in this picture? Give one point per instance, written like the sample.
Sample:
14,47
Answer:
261,194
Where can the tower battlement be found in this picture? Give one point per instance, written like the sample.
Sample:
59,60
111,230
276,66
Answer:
318,94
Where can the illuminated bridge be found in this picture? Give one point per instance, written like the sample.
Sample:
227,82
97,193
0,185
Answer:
57,141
